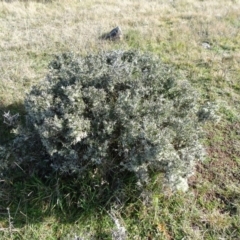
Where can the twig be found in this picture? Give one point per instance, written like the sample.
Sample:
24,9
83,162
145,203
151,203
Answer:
119,233
19,167
10,224
10,119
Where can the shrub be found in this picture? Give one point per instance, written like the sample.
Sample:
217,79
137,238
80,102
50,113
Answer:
115,112
4,158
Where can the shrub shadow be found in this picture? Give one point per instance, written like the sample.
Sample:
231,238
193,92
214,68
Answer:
31,196
32,200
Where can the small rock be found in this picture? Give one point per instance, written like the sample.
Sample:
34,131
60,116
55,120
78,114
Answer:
115,34
206,45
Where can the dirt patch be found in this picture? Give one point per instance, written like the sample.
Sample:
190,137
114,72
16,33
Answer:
218,178
223,152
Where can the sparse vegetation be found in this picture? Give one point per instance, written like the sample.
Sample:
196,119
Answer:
201,40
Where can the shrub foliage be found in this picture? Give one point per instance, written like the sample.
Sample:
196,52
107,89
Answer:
115,112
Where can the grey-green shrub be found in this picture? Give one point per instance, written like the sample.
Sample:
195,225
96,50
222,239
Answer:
117,111
4,158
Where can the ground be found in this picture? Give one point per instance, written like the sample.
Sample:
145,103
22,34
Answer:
201,40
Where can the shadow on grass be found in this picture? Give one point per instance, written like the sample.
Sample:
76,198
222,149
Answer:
73,201
33,195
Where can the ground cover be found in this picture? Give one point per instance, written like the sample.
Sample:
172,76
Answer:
201,40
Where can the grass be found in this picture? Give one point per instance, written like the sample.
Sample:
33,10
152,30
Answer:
31,32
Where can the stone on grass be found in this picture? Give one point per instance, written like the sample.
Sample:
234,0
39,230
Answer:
115,34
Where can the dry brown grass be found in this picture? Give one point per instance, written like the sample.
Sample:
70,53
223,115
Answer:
31,31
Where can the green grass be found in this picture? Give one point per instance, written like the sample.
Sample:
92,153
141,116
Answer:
32,32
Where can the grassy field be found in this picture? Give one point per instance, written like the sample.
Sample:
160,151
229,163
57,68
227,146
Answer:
199,38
